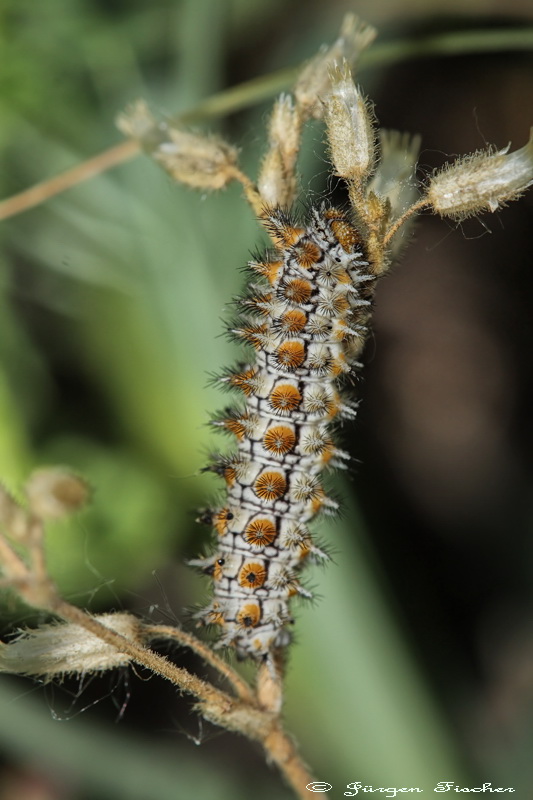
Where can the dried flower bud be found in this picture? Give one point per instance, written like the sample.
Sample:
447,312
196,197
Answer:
138,122
55,492
394,176
283,128
314,83
350,131
12,516
203,162
64,648
272,184
481,182
275,183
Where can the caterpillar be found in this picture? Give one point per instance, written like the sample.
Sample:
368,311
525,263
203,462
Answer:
305,317
306,320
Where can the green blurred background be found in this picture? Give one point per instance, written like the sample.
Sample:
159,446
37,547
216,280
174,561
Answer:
415,664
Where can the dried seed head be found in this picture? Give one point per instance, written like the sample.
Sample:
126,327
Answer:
481,182
394,176
58,649
272,181
314,83
12,516
350,131
203,162
282,127
55,492
276,181
138,122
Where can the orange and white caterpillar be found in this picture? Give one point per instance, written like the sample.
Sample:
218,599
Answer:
306,320
306,316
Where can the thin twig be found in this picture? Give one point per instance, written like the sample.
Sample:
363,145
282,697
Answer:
143,655
215,705
251,192
13,566
242,689
234,714
414,209
43,191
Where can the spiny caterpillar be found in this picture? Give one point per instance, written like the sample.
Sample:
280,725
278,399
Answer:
306,316
306,321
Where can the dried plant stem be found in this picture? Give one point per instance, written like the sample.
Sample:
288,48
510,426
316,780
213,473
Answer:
239,715
242,714
250,190
233,99
245,714
414,209
270,683
12,564
41,192
142,655
282,751
236,715
35,539
241,688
